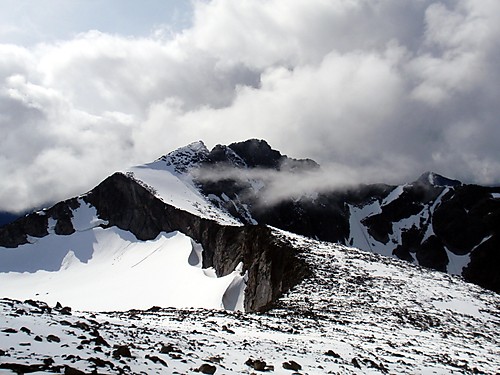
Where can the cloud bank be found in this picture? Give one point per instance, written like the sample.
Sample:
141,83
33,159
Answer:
379,90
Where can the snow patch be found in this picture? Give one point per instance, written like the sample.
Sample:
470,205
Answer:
393,195
234,297
51,225
69,260
85,217
456,263
459,306
47,253
358,233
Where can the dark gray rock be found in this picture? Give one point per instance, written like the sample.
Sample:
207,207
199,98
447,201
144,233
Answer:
156,359
122,351
53,338
331,353
257,364
68,370
292,365
207,369
169,348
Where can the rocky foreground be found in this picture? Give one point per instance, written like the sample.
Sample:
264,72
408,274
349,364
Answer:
358,313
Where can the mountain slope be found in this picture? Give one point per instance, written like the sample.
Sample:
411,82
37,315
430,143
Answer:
358,313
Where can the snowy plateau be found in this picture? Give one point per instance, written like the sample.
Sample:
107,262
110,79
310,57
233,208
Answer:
160,271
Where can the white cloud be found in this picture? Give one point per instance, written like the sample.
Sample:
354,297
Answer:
378,90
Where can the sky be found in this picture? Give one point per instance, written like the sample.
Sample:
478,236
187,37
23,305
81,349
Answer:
373,90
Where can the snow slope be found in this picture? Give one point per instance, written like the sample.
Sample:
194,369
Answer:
108,269
358,314
167,179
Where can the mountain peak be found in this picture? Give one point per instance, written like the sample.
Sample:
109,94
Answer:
183,158
434,179
257,153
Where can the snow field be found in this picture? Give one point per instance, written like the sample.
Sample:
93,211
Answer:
97,269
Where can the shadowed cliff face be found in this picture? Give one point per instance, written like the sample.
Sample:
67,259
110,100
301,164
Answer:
272,265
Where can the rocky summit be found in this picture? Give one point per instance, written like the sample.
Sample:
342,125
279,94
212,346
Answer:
202,261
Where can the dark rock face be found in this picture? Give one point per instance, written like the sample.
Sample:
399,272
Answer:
467,215
468,222
483,267
257,153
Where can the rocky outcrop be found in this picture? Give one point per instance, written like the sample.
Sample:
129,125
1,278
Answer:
36,224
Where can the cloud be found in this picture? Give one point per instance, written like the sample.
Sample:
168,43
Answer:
372,90
271,186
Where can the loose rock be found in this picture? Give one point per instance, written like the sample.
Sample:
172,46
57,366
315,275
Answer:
207,369
122,351
292,365
53,338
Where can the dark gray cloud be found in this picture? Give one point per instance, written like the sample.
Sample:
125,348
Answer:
372,90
